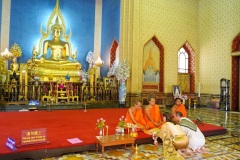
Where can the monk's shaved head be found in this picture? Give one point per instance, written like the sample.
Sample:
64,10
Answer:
137,101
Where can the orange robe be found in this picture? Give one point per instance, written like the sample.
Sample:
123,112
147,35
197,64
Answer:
138,117
180,108
155,115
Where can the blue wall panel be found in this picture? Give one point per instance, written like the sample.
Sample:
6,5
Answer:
27,16
0,17
110,30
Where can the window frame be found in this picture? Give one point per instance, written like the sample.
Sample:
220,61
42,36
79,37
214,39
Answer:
183,52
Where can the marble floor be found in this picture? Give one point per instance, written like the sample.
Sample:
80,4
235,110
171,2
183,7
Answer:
220,147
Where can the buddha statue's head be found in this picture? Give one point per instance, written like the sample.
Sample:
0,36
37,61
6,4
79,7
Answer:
56,29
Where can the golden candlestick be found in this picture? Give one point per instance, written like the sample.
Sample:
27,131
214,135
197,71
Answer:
189,103
136,150
195,103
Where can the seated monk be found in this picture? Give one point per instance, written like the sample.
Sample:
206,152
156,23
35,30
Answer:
152,114
178,107
135,115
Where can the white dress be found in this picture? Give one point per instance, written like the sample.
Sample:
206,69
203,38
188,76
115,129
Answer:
196,138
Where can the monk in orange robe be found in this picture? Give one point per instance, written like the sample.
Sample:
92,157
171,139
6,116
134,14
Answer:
152,114
178,107
135,115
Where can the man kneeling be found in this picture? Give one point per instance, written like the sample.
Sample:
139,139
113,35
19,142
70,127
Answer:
174,139
195,136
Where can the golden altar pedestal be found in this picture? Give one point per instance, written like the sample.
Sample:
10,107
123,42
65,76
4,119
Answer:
56,70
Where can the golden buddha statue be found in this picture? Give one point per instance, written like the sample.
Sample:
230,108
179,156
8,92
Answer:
59,49
54,57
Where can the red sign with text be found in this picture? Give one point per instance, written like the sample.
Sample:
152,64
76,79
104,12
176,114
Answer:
34,136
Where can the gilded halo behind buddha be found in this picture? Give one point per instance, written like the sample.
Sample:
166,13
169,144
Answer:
54,57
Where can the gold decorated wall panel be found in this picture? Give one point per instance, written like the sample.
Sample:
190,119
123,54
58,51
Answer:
184,82
218,24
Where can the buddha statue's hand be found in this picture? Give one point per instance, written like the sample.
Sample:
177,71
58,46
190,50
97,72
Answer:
65,58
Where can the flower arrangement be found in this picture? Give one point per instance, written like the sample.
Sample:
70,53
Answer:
84,76
90,59
113,69
181,96
123,71
100,123
122,122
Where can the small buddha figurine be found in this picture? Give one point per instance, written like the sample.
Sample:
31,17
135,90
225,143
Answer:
14,65
59,49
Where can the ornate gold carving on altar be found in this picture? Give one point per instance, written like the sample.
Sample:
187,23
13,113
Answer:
184,82
3,70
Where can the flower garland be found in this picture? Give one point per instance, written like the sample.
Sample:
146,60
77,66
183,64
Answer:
123,71
84,76
113,69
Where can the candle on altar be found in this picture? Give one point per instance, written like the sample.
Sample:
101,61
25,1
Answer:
103,132
198,89
107,131
128,130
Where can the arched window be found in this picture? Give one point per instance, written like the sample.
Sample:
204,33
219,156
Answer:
182,61
186,71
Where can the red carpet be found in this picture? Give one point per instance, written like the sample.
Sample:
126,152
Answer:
62,125
210,130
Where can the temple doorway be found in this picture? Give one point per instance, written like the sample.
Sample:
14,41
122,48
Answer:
235,94
238,85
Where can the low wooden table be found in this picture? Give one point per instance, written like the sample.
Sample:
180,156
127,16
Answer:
111,140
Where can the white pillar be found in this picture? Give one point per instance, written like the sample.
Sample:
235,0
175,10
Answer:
98,31
5,25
